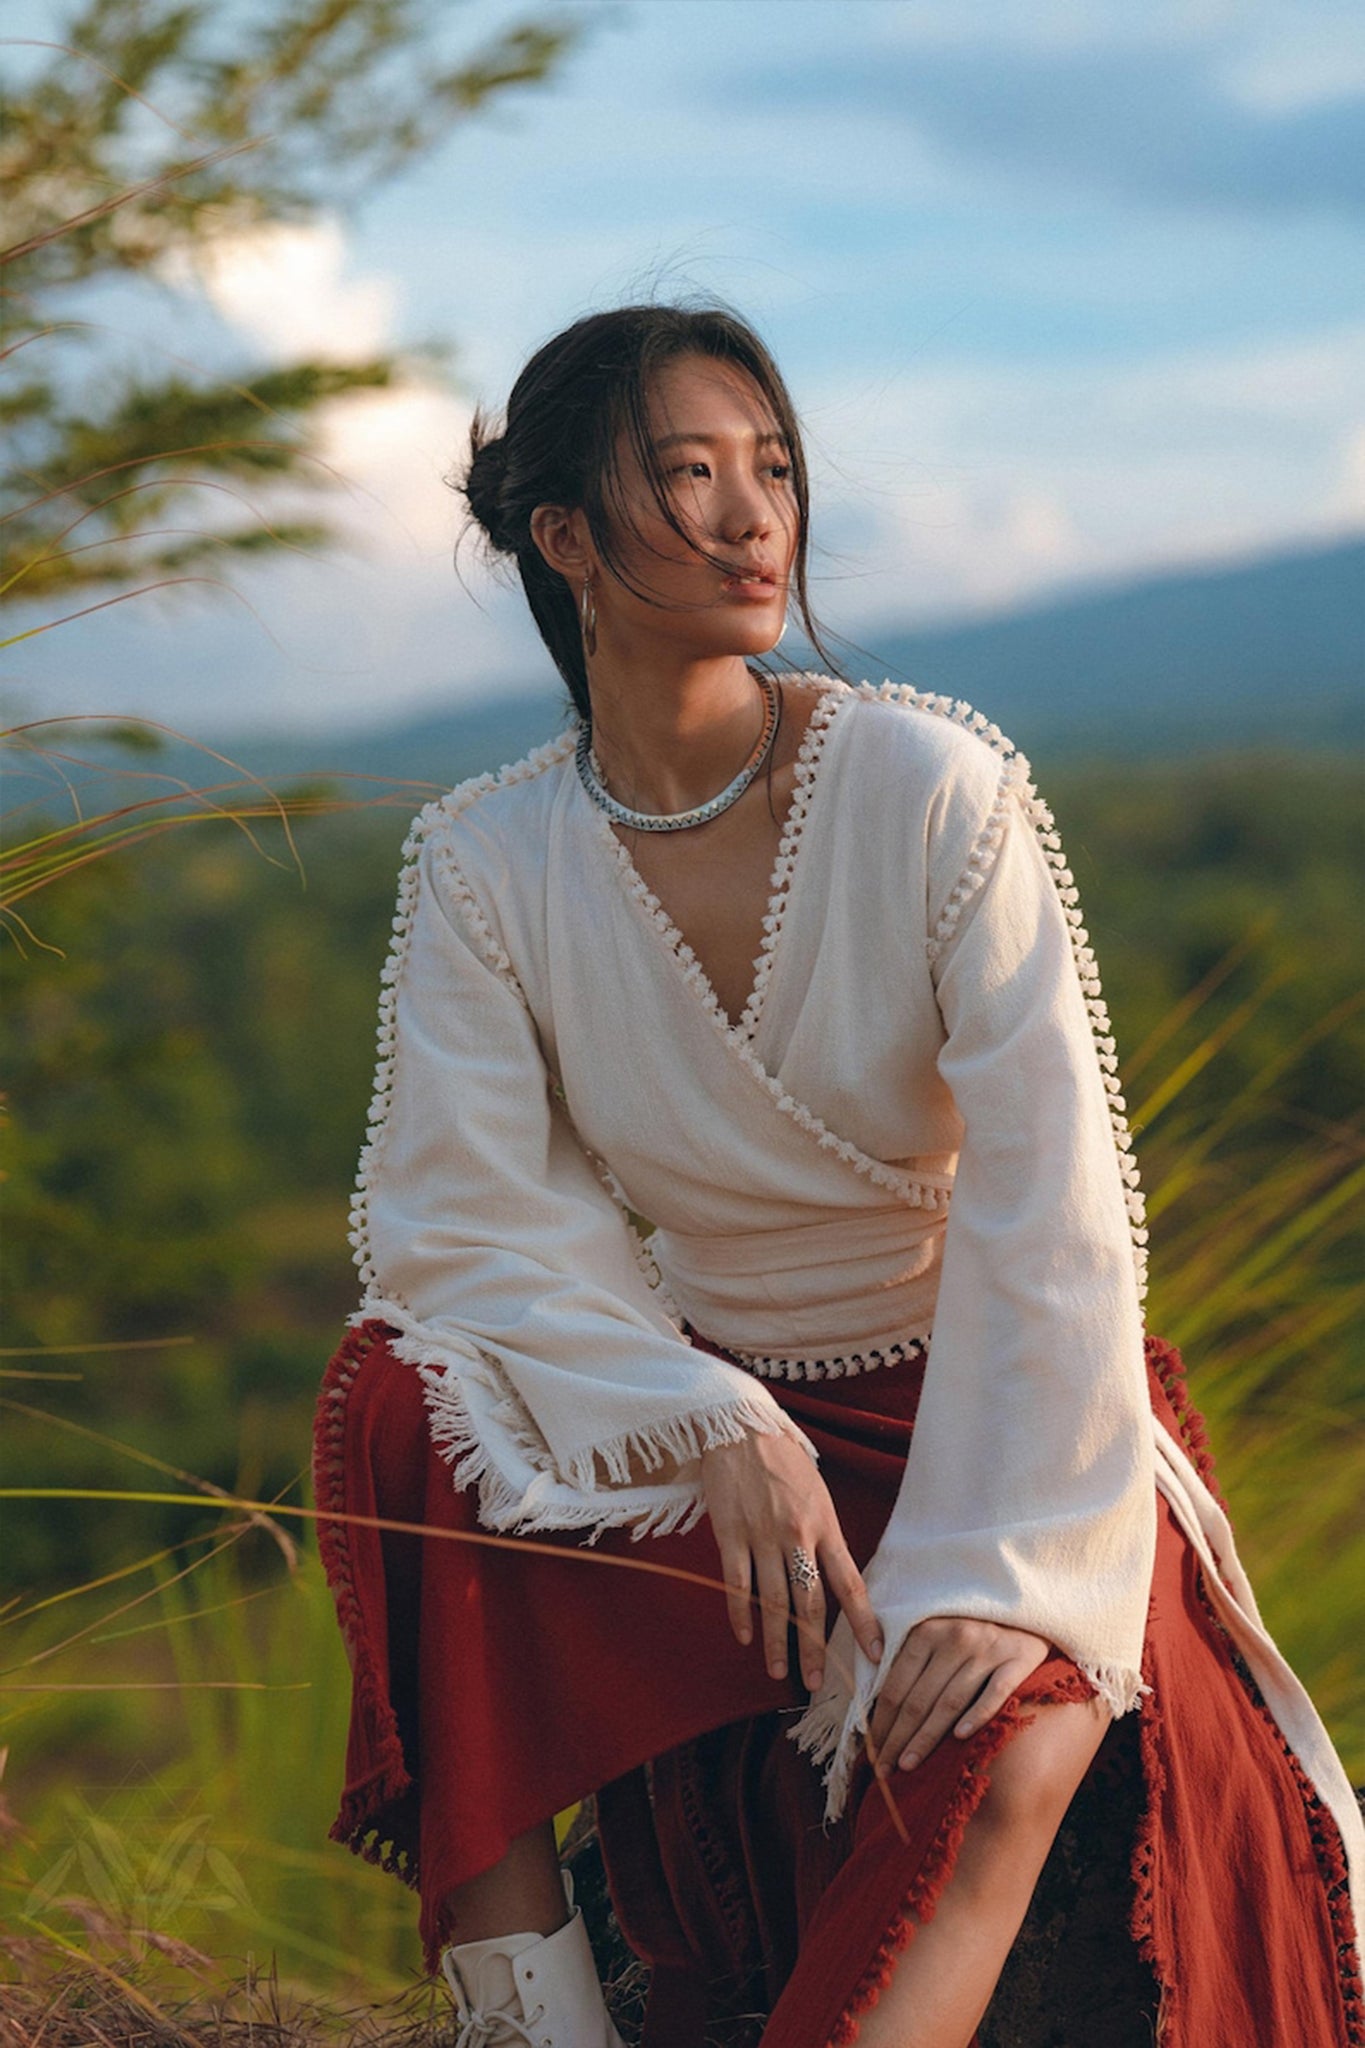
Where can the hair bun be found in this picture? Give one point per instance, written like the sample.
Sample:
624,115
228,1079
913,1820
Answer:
483,486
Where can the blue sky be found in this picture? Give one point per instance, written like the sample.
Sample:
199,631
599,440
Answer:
1066,293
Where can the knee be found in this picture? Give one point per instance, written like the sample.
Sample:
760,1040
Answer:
1036,1775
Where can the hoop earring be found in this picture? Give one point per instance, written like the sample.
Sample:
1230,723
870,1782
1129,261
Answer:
587,615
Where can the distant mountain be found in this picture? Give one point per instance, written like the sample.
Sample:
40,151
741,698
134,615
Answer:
1268,653
1265,654
441,749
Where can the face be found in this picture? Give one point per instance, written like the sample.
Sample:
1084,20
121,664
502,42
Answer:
729,478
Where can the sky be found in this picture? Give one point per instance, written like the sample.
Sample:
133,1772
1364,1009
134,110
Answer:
1067,292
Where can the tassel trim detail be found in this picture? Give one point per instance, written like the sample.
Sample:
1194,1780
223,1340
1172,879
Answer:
1141,1920
980,860
935,1872
831,1731
1169,1367
480,930
1328,1851
789,846
645,1260
1330,1856
364,1820
579,1495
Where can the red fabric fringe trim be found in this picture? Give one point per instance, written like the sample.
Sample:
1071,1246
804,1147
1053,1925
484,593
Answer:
391,1777
1331,1861
931,1879
1168,1365
936,1871
1142,1919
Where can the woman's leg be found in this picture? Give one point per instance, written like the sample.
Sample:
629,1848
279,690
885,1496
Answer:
943,1980
521,1894
520,1957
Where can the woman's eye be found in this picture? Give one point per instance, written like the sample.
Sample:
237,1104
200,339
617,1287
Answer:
780,472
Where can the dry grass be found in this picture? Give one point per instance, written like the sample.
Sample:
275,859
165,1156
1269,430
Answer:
62,2000
123,1986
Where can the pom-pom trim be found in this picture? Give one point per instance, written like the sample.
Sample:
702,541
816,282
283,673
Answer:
918,1193
429,820
1016,786
845,1365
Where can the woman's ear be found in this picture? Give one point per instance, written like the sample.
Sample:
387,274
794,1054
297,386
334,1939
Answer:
561,534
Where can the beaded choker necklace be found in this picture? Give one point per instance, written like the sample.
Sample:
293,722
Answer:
590,775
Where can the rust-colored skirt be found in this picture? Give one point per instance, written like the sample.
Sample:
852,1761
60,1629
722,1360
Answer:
494,1687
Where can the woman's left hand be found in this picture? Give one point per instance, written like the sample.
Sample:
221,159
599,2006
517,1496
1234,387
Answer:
949,1673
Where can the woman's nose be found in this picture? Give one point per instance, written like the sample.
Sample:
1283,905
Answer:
745,509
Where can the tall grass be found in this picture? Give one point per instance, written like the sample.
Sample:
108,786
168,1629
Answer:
1253,1278
193,1795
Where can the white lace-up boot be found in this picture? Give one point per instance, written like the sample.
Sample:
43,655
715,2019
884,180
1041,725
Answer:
530,1990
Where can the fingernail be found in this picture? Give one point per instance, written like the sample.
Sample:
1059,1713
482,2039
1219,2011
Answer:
779,1669
815,1681
877,1647
746,1635
909,1760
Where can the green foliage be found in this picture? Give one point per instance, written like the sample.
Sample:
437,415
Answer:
200,1810
1181,863
188,1072
154,128
1224,898
146,129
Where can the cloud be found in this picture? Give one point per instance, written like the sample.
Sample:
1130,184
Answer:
369,630
1348,500
394,450
952,340
1316,64
284,286
1154,124
1054,24
965,489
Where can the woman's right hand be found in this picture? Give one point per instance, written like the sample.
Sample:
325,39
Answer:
766,1499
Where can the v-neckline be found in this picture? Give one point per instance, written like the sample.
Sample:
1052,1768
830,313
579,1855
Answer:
742,1031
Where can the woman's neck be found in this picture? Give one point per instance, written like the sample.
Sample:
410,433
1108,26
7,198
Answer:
666,742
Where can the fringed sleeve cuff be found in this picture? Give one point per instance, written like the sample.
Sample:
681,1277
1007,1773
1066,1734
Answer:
555,1378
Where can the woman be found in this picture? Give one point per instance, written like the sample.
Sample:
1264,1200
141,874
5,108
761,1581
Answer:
794,970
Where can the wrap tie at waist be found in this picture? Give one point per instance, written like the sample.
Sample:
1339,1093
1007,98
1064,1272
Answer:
835,1288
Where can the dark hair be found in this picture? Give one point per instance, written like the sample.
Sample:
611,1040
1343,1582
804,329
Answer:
575,398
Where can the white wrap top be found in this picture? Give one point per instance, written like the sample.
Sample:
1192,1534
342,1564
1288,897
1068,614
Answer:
913,1129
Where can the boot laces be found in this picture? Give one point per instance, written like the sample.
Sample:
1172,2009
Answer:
499,2029
492,2030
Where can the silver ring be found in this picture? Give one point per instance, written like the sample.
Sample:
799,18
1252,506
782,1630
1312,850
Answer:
802,1569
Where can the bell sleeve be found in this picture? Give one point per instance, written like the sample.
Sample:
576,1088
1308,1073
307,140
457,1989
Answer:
1028,1496
488,1240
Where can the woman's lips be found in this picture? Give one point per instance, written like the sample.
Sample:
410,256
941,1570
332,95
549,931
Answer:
754,589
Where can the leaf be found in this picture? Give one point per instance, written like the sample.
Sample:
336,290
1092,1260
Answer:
230,1878
280,115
